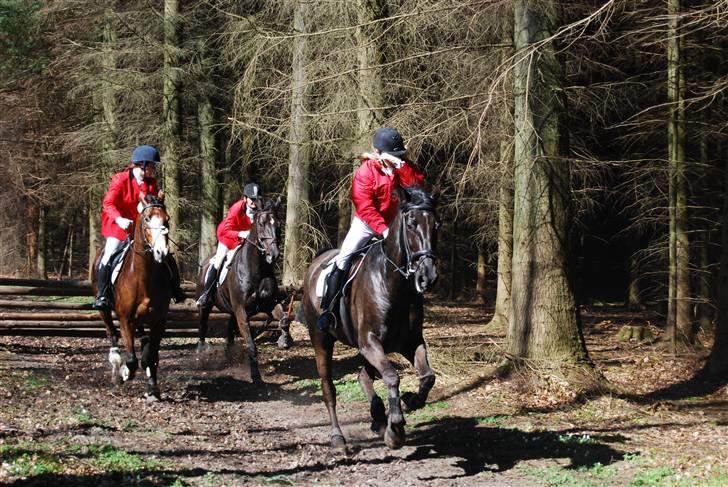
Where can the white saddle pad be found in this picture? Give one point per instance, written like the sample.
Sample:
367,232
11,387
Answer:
117,267
321,281
228,260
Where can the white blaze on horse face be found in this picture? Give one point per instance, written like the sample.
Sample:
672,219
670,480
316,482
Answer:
159,238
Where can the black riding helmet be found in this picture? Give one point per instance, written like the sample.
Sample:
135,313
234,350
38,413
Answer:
390,141
252,191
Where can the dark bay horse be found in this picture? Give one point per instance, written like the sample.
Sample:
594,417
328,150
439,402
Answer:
141,296
250,286
385,310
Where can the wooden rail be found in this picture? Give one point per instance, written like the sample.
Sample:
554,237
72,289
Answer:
51,314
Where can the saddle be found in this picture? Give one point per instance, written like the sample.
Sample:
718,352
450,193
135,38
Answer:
343,317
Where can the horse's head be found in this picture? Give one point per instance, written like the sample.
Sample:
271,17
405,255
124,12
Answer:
267,229
153,225
418,235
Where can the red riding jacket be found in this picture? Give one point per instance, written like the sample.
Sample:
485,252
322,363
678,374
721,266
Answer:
235,221
121,199
373,192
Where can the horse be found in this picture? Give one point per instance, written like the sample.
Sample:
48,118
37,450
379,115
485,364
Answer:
250,286
141,296
381,313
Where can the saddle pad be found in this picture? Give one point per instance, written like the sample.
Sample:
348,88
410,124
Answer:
118,260
329,266
228,260
325,271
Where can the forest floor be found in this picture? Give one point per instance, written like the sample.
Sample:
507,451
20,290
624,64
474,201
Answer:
61,423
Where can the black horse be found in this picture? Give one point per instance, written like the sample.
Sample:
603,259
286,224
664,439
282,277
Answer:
382,312
250,286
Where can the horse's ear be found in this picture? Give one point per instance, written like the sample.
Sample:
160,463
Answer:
403,194
277,202
161,196
436,191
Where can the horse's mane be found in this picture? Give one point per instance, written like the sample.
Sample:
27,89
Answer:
416,197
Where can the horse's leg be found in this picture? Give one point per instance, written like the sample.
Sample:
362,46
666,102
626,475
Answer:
202,329
151,351
244,326
416,352
418,357
376,406
114,356
285,340
373,352
323,344
128,369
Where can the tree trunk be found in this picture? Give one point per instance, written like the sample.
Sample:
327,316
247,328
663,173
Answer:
544,321
634,301
453,260
208,176
505,239
679,321
370,97
172,120
481,282
297,205
107,104
41,267
717,365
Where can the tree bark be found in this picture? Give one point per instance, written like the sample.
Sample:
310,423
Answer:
172,120
41,267
297,205
679,321
481,281
208,176
634,301
544,321
505,239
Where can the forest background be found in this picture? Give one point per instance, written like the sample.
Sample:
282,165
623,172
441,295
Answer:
625,98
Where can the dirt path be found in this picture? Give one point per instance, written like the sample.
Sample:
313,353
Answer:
62,424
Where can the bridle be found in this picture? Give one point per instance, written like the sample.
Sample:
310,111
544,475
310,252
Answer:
164,230
262,239
413,260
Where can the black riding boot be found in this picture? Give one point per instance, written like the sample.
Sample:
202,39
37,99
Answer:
210,284
177,293
104,283
328,302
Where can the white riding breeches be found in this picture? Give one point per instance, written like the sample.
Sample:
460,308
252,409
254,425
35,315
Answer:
222,250
359,234
112,245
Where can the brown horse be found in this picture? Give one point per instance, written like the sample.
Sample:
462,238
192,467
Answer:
250,286
382,312
141,296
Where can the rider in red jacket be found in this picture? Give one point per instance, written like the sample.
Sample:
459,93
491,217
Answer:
119,212
230,232
375,200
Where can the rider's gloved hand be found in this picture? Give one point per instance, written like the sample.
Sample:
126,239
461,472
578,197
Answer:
243,234
124,223
385,233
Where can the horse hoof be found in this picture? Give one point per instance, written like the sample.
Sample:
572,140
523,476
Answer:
411,402
378,428
124,373
394,436
285,342
202,347
152,397
338,442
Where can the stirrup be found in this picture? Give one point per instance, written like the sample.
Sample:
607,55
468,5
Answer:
101,303
325,320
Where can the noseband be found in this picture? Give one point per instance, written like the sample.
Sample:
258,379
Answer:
413,259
